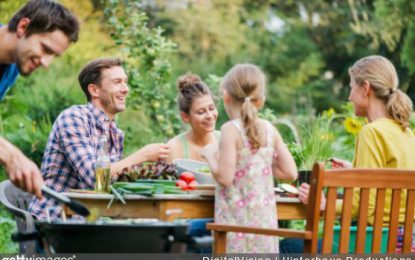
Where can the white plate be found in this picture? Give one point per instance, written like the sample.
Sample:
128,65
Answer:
278,189
289,188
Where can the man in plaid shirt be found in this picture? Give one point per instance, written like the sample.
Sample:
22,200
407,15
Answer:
71,151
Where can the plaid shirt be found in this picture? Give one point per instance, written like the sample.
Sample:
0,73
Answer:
71,153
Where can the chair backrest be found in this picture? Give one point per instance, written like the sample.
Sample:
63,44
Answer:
400,182
379,180
16,202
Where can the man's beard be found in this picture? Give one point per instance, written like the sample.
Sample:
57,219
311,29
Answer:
19,64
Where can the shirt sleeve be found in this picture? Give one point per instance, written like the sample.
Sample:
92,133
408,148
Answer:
75,139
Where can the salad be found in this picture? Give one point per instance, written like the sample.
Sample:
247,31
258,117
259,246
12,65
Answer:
204,169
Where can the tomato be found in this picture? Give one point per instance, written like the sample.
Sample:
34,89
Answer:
192,185
188,177
182,184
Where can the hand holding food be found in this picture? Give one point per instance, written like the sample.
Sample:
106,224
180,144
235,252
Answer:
155,152
337,163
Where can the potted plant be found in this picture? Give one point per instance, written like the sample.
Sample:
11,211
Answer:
316,146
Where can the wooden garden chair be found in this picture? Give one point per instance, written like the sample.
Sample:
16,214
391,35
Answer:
365,179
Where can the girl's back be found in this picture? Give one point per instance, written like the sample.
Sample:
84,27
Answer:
250,200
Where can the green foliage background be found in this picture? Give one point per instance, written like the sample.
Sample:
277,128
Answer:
304,47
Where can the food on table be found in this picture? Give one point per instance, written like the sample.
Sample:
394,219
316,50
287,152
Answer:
188,177
146,187
289,188
182,184
148,170
186,181
278,189
204,169
192,185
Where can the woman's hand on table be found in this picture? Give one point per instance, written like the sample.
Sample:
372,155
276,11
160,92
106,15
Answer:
303,193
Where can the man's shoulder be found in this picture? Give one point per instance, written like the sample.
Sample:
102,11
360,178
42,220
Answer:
8,76
74,112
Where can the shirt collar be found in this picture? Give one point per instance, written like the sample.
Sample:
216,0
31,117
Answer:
98,113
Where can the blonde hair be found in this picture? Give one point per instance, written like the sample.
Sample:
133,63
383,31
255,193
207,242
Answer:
245,83
383,79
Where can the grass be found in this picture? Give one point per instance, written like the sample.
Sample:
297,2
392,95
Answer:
7,227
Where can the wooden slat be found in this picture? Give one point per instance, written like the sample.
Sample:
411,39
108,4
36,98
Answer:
282,232
409,221
329,218
374,178
313,207
219,244
346,218
377,227
362,221
394,220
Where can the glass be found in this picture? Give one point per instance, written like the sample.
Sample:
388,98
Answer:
102,166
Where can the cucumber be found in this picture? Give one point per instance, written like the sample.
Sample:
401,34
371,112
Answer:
133,186
174,190
162,182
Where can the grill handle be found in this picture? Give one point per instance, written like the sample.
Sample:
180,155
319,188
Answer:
20,237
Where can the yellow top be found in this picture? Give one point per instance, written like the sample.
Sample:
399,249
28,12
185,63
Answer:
383,144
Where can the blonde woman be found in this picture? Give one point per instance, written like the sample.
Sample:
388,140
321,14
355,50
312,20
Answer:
250,152
387,141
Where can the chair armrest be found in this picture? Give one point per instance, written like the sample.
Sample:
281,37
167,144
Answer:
17,212
282,232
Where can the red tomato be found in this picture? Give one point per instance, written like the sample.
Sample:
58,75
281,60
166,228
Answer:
192,185
188,177
182,184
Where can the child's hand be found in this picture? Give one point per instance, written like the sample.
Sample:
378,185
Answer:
209,151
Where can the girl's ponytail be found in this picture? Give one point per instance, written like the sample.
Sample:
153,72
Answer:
245,83
249,119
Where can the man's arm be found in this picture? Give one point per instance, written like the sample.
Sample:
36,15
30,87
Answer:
150,152
75,137
22,172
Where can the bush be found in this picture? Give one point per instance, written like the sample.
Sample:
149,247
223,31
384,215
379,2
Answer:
7,227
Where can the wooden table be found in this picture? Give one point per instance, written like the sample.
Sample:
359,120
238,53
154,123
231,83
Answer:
169,207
